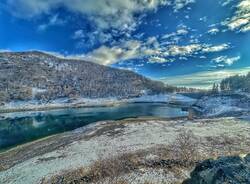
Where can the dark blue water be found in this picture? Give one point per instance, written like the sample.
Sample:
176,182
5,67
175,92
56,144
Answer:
20,127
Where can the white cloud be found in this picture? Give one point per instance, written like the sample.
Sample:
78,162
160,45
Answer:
179,4
151,50
226,2
175,50
213,31
246,28
192,49
226,60
237,23
106,14
53,21
121,15
203,19
241,20
152,41
216,48
157,59
130,49
182,32
175,37
109,55
78,34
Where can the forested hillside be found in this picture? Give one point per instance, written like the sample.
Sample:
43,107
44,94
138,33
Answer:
236,83
39,76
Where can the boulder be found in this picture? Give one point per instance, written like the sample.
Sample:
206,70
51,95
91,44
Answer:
224,170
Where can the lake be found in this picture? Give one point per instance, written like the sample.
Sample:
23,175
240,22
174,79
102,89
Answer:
21,127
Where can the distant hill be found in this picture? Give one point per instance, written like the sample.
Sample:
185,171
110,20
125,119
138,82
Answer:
38,76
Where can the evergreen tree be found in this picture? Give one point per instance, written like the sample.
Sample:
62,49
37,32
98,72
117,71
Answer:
236,83
215,88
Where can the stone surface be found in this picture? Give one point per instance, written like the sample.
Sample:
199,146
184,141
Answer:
228,170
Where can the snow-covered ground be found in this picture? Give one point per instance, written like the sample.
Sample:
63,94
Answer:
127,136
223,105
86,102
164,98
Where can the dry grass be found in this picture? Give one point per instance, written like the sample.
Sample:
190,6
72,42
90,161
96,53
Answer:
224,145
109,169
114,167
182,154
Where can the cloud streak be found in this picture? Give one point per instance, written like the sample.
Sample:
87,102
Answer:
150,50
226,60
203,80
241,20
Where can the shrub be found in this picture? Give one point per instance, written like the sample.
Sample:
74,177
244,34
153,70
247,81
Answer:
185,147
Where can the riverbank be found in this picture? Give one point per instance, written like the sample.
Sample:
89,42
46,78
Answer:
80,149
20,106
223,105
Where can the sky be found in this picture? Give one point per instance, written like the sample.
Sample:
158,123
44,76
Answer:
191,43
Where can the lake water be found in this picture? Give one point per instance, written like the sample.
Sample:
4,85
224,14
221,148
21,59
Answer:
20,127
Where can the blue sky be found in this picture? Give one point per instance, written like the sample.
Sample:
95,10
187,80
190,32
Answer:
177,41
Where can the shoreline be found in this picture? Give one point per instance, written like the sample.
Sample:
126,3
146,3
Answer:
178,101
83,132
87,128
52,106
45,108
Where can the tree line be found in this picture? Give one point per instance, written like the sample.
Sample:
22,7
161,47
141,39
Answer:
239,83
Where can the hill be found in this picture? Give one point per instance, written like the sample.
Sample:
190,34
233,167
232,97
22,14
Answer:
39,76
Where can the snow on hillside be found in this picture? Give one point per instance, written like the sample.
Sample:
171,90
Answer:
223,105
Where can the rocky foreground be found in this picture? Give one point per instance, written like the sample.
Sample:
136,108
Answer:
234,169
127,151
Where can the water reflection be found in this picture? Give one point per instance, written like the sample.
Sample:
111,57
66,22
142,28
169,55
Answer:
20,127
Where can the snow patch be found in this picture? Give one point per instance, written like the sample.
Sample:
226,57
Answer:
86,102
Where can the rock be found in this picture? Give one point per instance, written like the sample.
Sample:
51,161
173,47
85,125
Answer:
228,170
